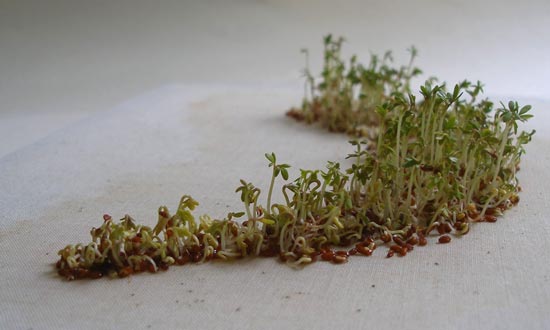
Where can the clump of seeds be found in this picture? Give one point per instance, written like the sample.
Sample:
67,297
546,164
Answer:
427,166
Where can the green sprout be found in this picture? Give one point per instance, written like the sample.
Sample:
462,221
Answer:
437,161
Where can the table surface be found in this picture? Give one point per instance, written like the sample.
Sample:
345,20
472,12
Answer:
119,107
198,140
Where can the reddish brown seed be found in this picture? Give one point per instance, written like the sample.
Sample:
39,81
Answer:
339,259
95,274
58,264
444,239
342,253
403,252
352,251
259,212
327,255
67,273
395,248
385,238
398,240
422,241
458,224
106,217
390,254
126,271
474,214
409,247
490,218
441,229
364,250
514,199
413,240
447,227
81,272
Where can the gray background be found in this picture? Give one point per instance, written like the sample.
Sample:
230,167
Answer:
61,61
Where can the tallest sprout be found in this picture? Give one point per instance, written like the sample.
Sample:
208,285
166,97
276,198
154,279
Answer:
282,169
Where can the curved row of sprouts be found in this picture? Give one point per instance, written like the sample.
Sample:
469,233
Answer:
430,163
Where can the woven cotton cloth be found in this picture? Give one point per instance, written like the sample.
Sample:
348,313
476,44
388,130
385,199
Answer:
200,140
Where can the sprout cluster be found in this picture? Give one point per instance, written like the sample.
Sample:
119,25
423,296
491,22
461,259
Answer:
436,164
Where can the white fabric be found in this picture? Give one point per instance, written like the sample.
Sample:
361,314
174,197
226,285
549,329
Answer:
201,140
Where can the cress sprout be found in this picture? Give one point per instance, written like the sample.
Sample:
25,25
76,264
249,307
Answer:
438,161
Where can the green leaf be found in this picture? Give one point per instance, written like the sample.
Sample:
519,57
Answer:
524,109
267,221
507,116
450,123
348,204
284,173
270,157
410,162
526,117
